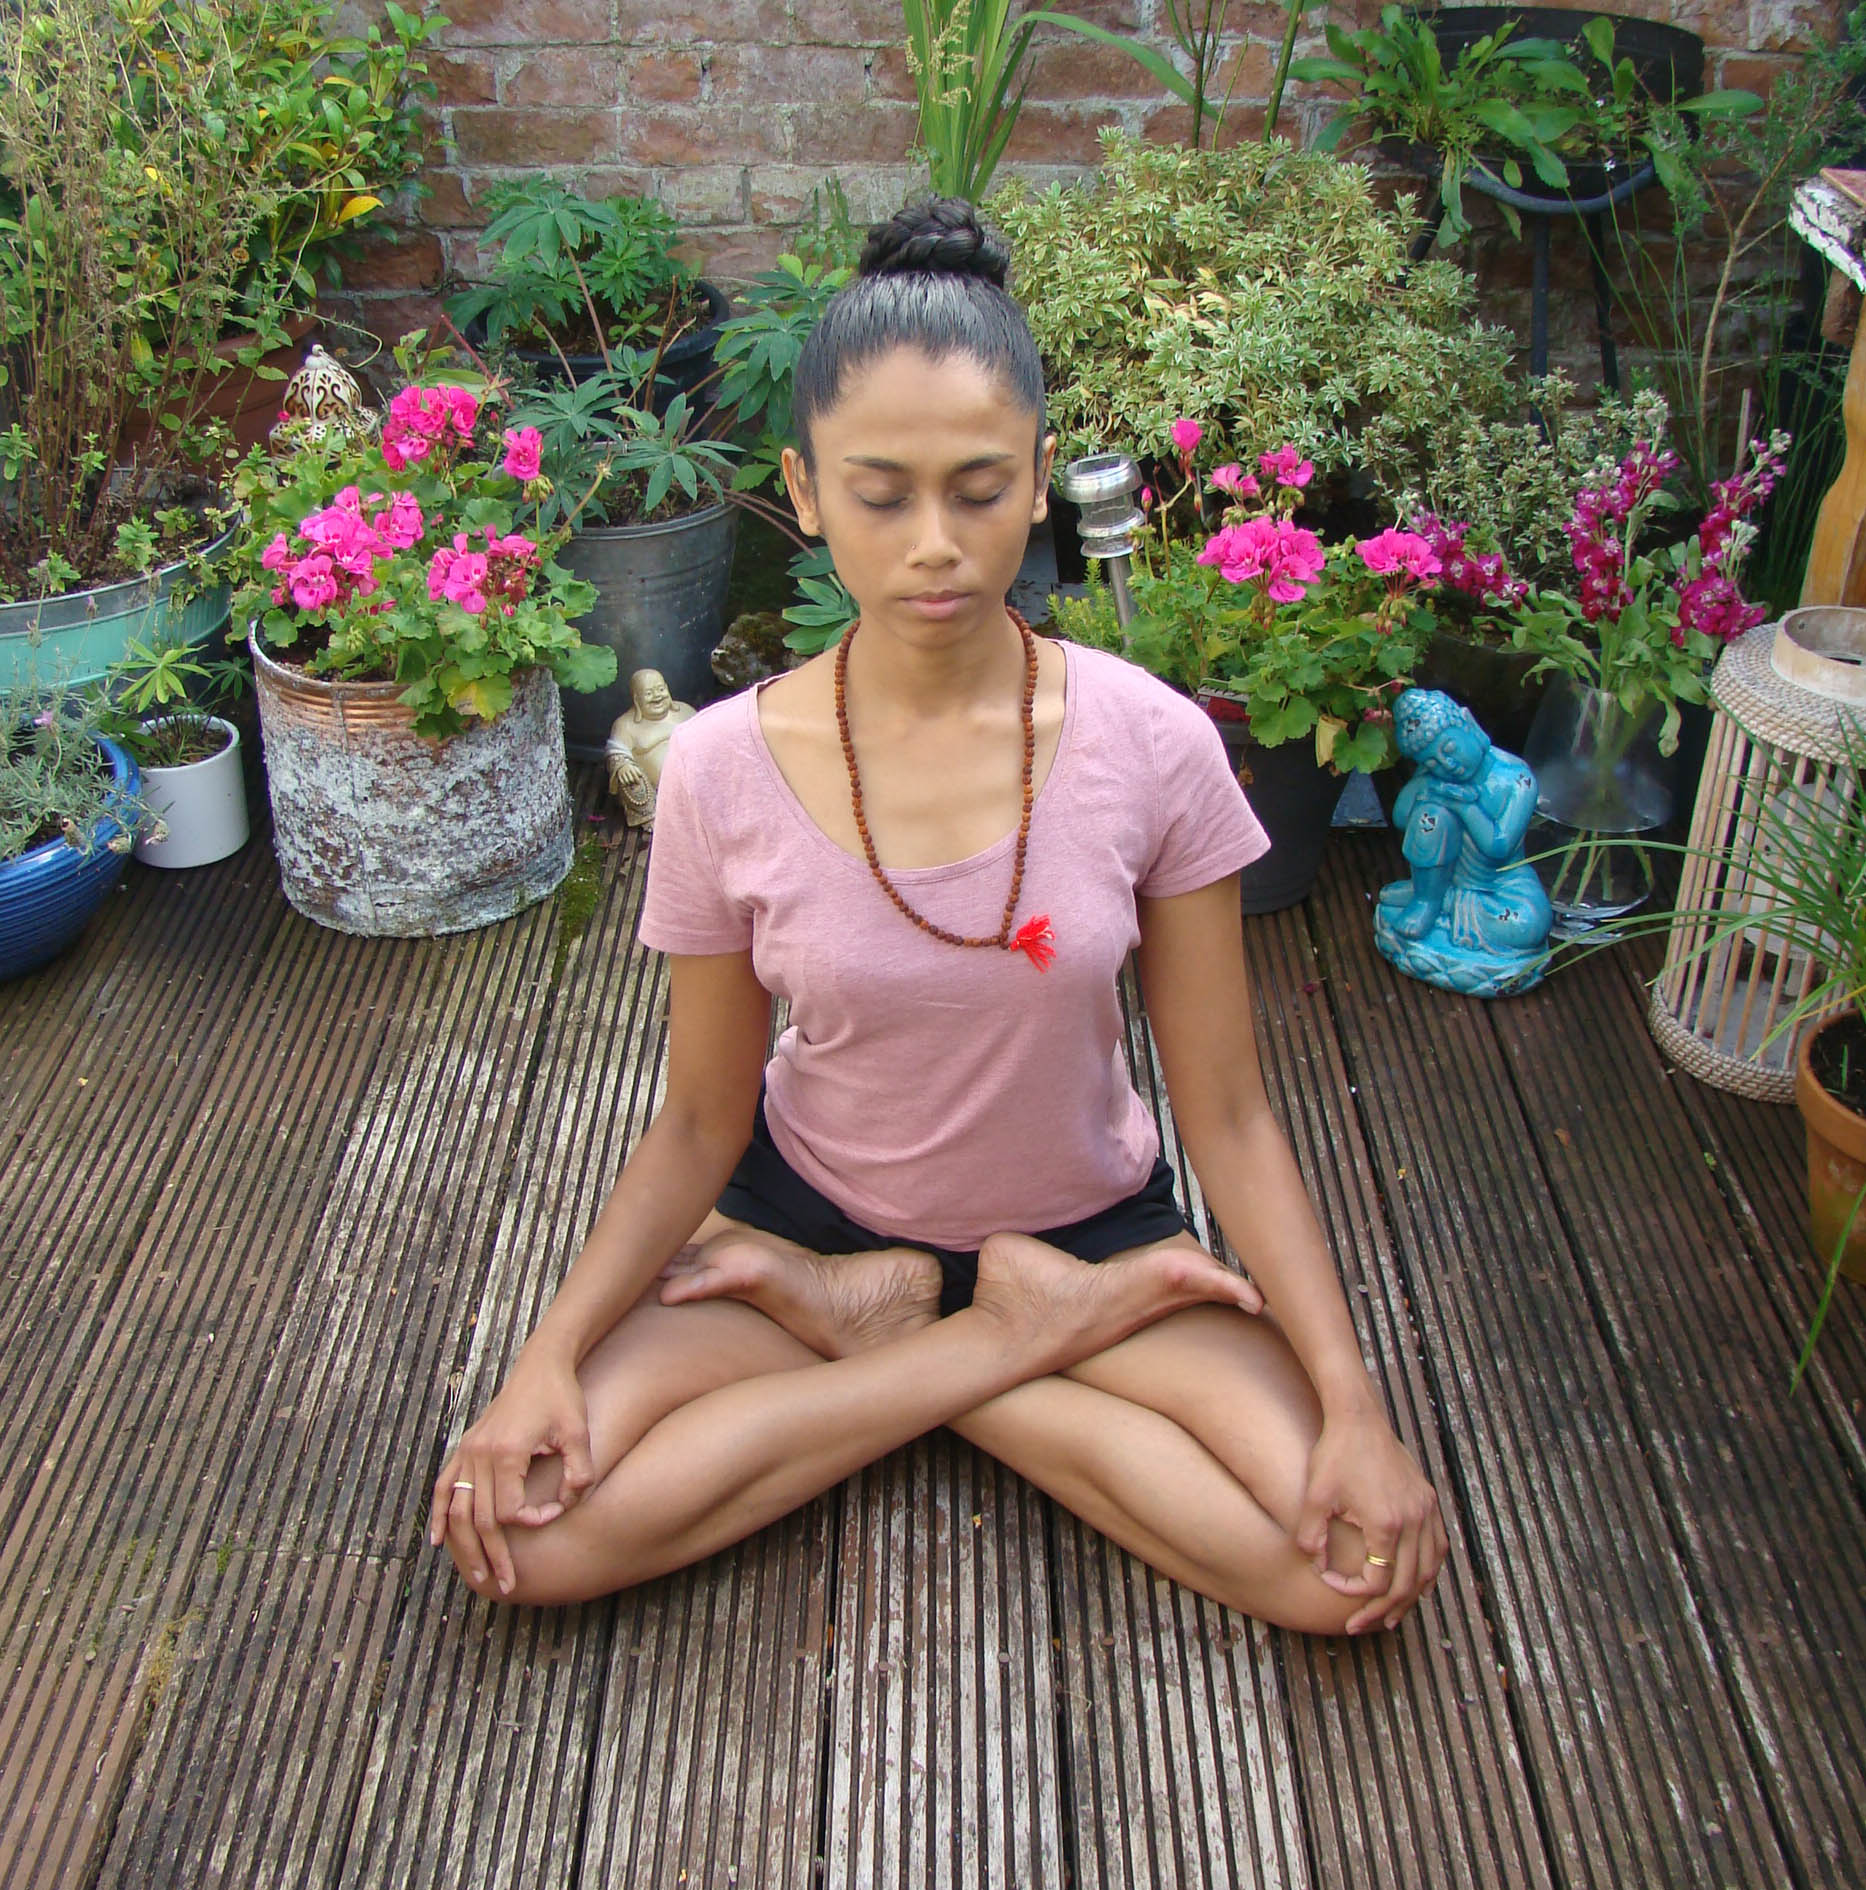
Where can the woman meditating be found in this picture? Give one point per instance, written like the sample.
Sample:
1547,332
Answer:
941,1201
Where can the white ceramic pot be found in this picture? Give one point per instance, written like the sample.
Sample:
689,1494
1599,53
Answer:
202,805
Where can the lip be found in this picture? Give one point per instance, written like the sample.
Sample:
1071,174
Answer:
937,604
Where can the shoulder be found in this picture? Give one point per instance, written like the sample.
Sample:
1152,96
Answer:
717,740
1138,700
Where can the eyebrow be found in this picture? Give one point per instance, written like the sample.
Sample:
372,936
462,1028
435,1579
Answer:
979,464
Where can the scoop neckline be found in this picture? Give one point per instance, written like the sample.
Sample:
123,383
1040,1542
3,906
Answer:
1065,747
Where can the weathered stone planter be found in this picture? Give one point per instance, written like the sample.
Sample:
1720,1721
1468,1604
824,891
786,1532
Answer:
382,831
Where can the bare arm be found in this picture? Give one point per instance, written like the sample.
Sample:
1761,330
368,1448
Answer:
1199,1003
718,1024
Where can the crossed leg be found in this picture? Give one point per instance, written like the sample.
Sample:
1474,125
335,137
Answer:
1186,1442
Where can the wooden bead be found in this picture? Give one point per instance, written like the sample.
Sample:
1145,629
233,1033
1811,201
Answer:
1002,938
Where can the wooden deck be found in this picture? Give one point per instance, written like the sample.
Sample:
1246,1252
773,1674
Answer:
280,1205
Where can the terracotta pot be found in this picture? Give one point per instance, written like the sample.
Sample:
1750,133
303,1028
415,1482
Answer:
238,395
1836,1166
382,831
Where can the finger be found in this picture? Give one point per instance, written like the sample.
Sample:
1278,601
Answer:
579,1465
486,1507
1405,1589
438,1504
1318,1510
463,1535
1376,1574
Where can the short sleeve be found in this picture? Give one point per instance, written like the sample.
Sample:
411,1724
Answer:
1205,829
686,907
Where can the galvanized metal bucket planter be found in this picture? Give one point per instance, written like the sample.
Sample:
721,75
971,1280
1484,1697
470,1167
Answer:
74,638
385,832
660,604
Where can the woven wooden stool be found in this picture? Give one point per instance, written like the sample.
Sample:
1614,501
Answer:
1776,744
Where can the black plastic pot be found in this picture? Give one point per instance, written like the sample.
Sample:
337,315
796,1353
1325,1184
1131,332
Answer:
1295,799
1668,61
1492,681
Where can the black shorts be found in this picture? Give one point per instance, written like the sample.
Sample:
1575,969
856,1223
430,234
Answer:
768,1193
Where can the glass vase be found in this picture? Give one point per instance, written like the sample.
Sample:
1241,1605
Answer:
1601,787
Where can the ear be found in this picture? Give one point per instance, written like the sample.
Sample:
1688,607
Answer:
1046,460
802,494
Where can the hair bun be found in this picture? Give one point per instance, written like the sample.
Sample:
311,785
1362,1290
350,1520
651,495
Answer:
939,236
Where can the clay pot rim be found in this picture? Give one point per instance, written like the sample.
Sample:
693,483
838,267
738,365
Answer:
1821,1109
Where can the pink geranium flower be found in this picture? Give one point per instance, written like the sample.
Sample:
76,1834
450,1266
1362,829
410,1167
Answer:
313,582
400,524
524,451
277,555
1236,481
1186,436
1286,466
1280,555
1399,554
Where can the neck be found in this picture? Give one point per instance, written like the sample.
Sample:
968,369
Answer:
984,668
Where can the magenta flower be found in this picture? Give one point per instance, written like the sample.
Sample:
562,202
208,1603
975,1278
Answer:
514,545
277,555
1186,436
313,582
1287,467
1146,497
459,576
524,452
1404,555
400,523
1236,481
1280,555
1713,604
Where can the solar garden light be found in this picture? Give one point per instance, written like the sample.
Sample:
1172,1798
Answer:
1100,485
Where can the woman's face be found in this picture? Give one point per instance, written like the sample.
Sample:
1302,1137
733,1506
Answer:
927,483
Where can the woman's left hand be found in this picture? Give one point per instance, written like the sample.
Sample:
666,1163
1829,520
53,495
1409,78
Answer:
1360,1473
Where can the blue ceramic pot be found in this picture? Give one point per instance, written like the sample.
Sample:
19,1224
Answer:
48,895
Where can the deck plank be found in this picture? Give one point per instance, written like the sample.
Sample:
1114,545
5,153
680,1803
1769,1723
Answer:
1763,1509
942,1762
105,1540
340,1448
1411,1769
1596,1613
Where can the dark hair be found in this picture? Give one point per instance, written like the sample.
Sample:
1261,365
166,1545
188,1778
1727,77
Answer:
934,278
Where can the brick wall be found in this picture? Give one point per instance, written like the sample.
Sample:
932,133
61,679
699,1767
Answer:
733,111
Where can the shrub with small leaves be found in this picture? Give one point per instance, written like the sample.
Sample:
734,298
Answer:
56,781
1260,287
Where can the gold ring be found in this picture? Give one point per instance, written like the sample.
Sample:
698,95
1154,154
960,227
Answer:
468,1486
1373,1561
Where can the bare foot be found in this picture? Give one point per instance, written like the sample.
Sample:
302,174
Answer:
836,1304
1076,1309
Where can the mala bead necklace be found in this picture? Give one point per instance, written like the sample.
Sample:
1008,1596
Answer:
1035,938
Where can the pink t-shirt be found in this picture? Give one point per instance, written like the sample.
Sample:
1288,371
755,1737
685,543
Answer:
935,1093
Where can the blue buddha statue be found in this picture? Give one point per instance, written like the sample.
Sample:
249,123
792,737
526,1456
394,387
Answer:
1473,917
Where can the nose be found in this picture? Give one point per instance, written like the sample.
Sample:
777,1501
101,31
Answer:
934,546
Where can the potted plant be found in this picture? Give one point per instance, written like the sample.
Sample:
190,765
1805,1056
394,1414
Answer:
1296,649
191,760
1525,101
410,630
109,225
1628,644
575,279
1262,288
69,804
332,123
656,537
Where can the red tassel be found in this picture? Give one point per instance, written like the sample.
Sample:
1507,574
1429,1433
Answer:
1037,940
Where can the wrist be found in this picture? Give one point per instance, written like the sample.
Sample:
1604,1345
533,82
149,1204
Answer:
1349,1396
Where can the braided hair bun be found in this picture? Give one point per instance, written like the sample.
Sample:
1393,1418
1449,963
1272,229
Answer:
938,236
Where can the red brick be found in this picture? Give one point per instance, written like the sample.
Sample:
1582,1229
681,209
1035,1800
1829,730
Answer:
874,133
888,76
706,134
1065,65
702,194
669,78
388,318
392,260
1242,124
610,181
1119,16
524,22
1752,74
1716,22
1246,72
1792,25
447,206
781,75
531,138
463,78
565,75
682,22
729,258
849,22
1053,134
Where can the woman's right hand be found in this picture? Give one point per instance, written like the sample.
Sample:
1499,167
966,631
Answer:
539,1412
